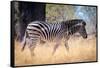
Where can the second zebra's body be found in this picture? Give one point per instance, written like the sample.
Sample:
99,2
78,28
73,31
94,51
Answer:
39,31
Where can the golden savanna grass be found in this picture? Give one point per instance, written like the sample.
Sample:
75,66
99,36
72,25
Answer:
80,50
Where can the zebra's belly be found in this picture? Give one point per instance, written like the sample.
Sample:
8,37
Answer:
52,38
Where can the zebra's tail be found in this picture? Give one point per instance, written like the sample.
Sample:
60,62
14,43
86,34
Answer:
23,43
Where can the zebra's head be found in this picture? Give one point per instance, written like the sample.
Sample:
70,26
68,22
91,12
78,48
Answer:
82,30
78,27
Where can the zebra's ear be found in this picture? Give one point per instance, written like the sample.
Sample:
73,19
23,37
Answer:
84,23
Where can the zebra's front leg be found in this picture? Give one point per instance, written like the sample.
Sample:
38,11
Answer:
55,48
66,45
32,49
66,42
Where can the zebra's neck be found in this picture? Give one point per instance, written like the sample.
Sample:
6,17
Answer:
71,25
73,30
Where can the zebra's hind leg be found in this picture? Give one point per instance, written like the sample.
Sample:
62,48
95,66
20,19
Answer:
24,44
55,48
32,50
32,47
66,46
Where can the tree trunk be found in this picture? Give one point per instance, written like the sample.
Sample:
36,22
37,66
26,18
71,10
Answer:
26,12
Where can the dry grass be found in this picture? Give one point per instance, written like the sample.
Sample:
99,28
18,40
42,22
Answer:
80,50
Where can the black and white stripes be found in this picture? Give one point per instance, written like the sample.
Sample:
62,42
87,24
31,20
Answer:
38,31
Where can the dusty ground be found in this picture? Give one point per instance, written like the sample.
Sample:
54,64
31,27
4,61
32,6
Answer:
80,50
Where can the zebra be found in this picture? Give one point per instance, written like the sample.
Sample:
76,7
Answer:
40,31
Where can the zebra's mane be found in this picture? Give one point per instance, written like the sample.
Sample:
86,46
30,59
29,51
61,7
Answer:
70,23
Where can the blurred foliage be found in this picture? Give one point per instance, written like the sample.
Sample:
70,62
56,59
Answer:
87,13
58,13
